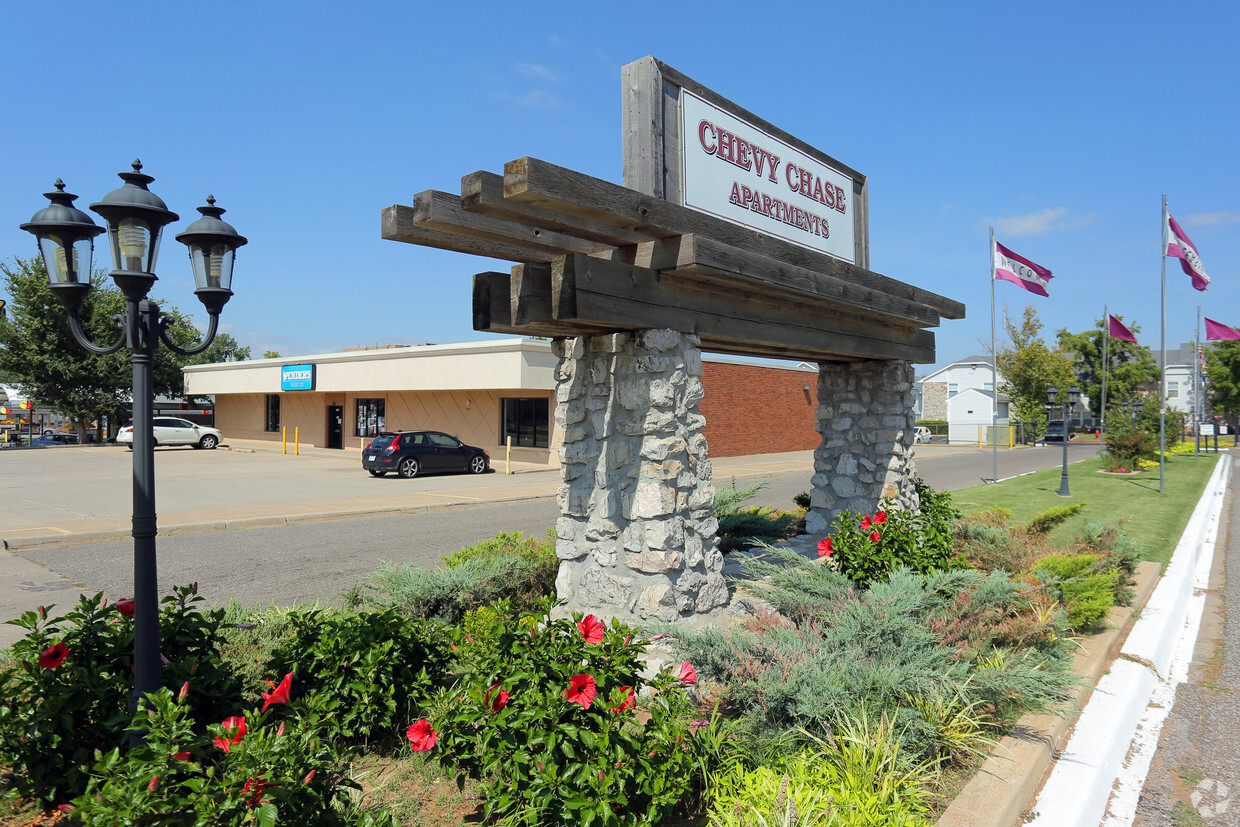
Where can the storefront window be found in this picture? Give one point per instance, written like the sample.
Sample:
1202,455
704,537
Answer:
527,421
371,417
273,412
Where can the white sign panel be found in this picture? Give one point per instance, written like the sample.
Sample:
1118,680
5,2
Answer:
737,172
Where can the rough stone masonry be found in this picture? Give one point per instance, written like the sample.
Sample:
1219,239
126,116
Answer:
636,533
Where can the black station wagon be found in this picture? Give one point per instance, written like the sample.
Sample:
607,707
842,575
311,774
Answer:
410,453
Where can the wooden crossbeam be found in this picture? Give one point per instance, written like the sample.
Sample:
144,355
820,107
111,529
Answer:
483,192
711,261
400,224
553,188
592,291
434,210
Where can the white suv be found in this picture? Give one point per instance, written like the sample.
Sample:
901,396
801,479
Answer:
921,434
170,430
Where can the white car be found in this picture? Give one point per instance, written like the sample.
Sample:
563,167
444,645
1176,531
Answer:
921,434
169,430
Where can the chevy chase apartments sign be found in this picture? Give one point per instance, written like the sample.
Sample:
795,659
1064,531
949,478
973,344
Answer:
736,171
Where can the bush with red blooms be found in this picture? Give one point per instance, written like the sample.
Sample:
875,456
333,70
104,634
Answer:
66,686
246,770
869,547
544,719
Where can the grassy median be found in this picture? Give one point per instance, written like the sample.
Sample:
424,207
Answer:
1156,519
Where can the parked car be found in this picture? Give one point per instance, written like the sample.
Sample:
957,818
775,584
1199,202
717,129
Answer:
409,453
170,430
53,438
1056,430
922,434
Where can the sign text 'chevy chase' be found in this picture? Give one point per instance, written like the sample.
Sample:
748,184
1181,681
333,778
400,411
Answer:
738,172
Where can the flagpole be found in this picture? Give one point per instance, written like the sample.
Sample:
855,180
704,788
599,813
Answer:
1162,376
994,369
1106,341
1197,394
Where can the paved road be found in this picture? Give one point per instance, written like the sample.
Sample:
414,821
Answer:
1194,777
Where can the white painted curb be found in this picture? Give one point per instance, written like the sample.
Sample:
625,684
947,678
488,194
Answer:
1155,656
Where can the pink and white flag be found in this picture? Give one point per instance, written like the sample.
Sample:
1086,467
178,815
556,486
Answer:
1216,332
1118,331
1019,270
1180,247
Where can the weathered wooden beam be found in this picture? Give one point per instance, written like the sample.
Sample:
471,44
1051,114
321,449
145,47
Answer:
491,305
399,224
434,210
709,260
531,293
610,293
555,188
483,192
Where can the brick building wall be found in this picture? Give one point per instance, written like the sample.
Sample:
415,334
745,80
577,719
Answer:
751,409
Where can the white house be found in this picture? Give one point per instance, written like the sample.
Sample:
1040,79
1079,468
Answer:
1179,377
936,389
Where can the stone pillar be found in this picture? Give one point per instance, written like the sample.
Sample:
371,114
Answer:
865,415
636,536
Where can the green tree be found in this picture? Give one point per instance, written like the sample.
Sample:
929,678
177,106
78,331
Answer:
1223,377
1127,366
38,351
1029,367
223,348
271,354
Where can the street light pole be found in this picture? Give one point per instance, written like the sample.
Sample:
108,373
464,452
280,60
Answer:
1073,395
135,219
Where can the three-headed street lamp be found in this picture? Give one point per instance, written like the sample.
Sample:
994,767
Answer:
1132,408
1073,396
135,218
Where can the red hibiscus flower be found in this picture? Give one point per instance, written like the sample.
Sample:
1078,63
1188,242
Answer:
591,629
498,702
150,788
54,655
421,736
825,547
626,692
865,521
880,518
257,786
180,756
279,694
874,536
125,606
235,726
687,673
581,690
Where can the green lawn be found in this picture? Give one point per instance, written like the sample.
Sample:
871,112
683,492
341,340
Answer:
1156,520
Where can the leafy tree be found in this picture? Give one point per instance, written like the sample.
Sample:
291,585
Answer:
1029,367
271,354
1223,377
1128,365
38,351
223,348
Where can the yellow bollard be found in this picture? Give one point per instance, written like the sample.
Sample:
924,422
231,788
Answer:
297,441
508,455
284,437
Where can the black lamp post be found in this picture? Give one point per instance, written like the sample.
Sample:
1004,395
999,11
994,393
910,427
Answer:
1074,396
135,218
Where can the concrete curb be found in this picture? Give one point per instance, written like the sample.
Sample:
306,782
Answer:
1080,786
1133,648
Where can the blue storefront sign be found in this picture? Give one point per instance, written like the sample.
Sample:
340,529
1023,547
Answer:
297,378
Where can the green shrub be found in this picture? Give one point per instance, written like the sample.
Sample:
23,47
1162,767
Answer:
363,673
868,548
835,648
508,544
187,773
802,500
751,526
447,594
544,722
996,515
56,712
1045,522
728,499
1089,599
1067,566
1104,538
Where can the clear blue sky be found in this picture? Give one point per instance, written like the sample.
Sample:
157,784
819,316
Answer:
1061,124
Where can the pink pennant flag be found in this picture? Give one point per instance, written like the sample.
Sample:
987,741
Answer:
1019,270
1180,247
1216,332
1118,331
